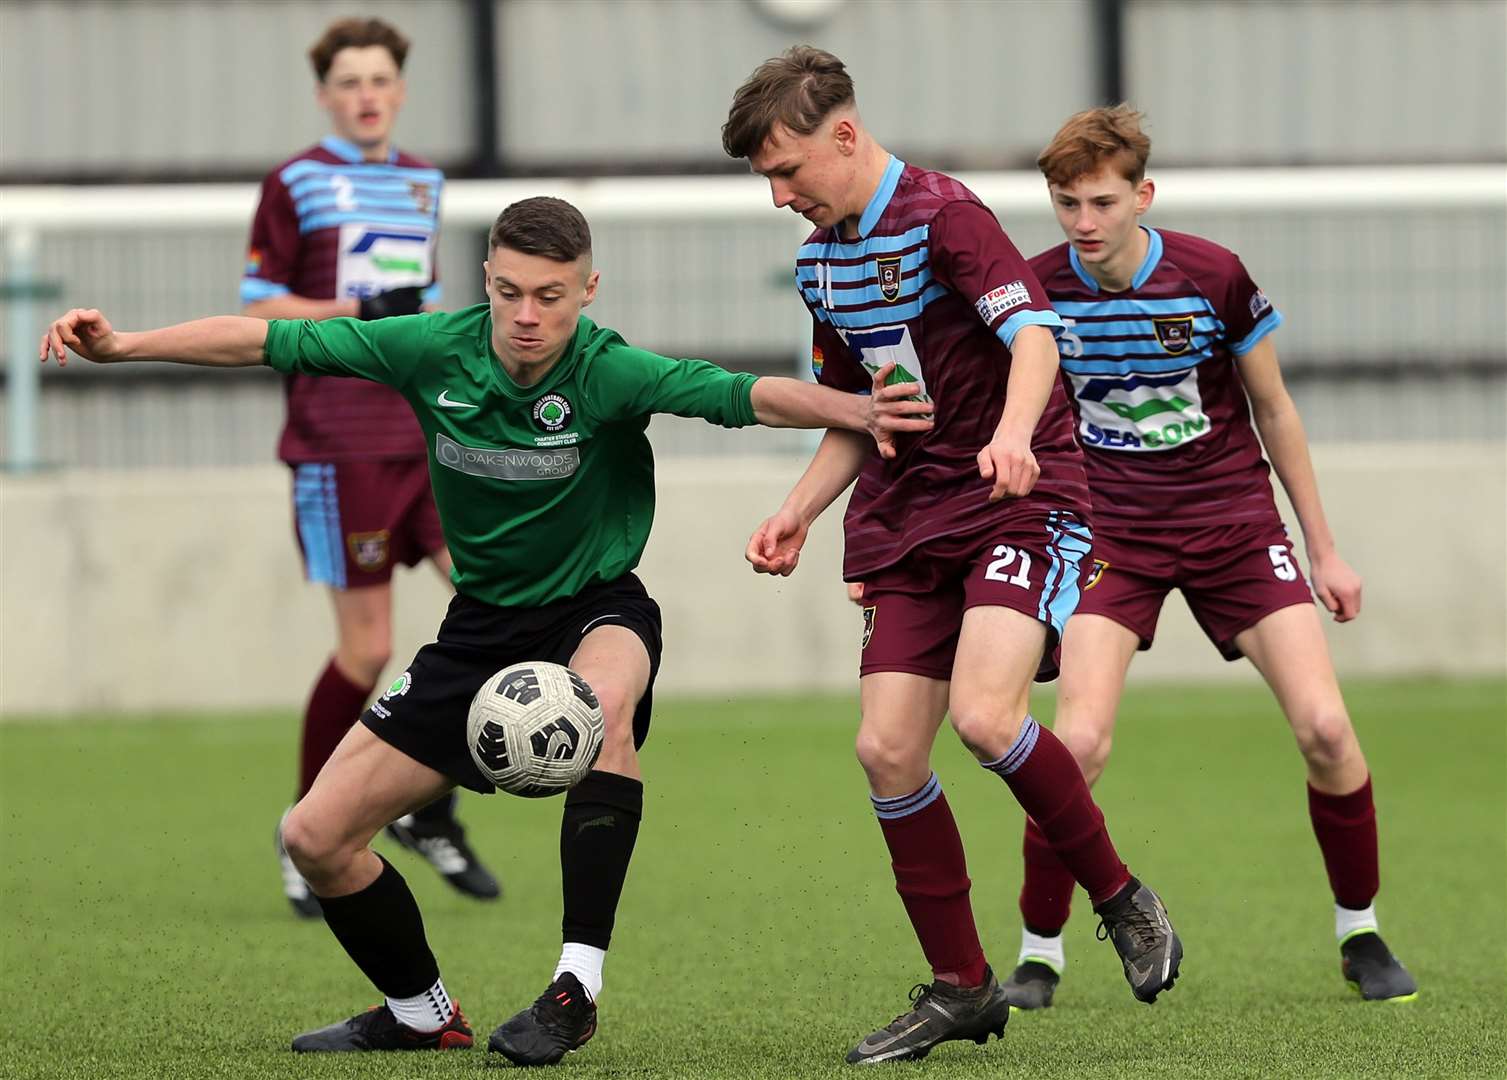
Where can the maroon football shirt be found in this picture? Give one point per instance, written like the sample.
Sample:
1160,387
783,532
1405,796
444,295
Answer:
1155,378
329,225
933,284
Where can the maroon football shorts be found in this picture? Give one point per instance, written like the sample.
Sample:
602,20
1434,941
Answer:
912,611
356,520
1232,577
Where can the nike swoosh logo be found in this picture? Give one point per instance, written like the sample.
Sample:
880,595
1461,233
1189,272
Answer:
444,401
606,819
897,1037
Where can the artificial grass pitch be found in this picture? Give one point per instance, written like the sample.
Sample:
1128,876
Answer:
144,932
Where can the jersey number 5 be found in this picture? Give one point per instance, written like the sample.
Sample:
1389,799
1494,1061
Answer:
1005,555
1281,563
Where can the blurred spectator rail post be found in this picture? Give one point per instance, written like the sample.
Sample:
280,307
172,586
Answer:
21,289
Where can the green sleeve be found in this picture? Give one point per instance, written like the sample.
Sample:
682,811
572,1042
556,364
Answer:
382,350
628,382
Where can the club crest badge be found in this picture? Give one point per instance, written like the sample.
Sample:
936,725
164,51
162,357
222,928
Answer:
889,274
869,614
399,687
368,549
1174,335
552,412
1095,574
422,195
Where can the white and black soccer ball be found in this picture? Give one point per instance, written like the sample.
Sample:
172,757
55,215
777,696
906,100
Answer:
535,729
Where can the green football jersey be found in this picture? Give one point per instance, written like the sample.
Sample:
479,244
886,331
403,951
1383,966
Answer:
542,490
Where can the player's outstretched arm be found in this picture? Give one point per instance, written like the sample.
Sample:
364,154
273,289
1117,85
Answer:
775,547
221,341
1008,460
1337,586
883,413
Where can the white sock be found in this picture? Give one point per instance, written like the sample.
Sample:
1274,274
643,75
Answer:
1348,922
429,1011
585,963
1044,950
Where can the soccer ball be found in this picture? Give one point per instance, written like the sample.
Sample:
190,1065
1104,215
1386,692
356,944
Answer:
535,729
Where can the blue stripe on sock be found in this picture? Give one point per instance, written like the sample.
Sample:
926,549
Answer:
1020,749
900,806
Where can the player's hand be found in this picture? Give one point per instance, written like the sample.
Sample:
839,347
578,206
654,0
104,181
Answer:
408,300
775,546
889,411
855,592
1009,463
1337,586
84,330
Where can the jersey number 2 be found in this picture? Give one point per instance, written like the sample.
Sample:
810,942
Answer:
1005,555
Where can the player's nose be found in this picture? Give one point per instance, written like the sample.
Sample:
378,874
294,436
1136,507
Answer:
781,194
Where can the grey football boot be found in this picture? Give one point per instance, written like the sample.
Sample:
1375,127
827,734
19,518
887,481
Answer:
939,1013
1136,923
1372,971
1031,985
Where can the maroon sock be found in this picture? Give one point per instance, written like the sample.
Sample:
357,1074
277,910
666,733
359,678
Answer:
334,706
1046,894
931,876
1346,829
1050,787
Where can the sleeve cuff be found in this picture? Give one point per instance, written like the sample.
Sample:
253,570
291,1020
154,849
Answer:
274,351
1011,326
254,289
1269,322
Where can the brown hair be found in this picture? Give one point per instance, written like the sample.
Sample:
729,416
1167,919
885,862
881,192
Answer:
797,89
1095,137
356,34
542,226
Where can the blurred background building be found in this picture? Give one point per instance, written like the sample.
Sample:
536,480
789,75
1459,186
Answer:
1395,330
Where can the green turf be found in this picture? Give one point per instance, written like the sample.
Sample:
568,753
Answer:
143,932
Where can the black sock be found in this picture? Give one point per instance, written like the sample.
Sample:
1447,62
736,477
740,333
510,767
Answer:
441,812
597,833
381,929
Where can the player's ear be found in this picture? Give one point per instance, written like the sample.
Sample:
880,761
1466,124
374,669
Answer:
591,286
845,134
1145,191
486,277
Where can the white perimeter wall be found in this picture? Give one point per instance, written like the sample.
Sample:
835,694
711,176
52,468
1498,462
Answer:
182,589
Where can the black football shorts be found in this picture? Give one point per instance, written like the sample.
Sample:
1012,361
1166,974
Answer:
423,712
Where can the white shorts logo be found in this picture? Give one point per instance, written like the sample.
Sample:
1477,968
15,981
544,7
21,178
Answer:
996,302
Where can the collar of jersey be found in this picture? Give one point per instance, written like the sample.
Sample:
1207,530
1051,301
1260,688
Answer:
348,151
877,204
1148,264
557,374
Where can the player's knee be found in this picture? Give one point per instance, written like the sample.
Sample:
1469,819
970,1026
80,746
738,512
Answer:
365,657
1088,745
1324,735
890,762
618,706
986,731
312,845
